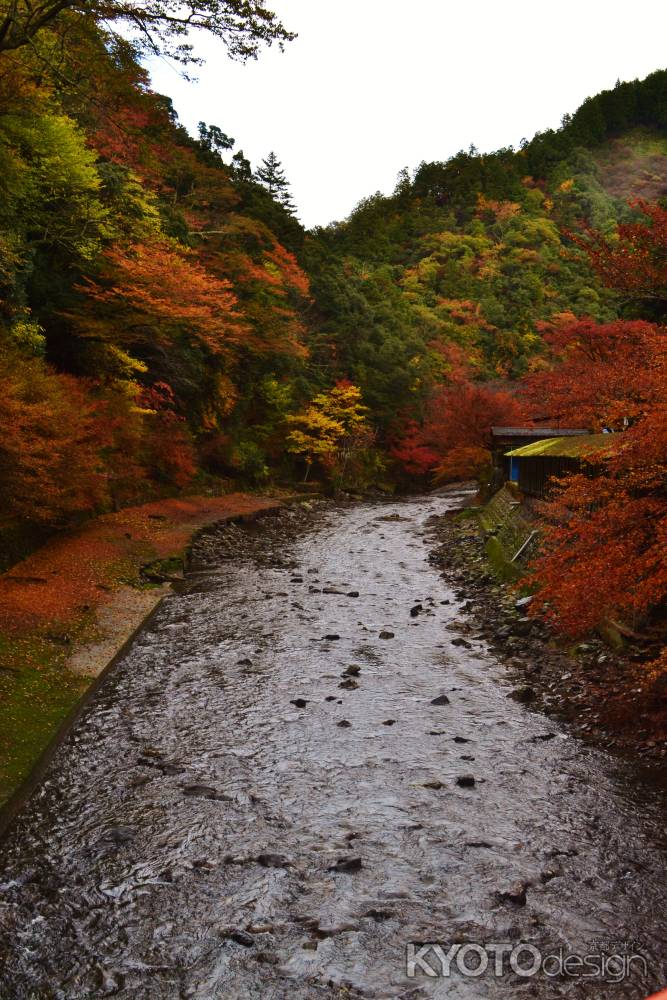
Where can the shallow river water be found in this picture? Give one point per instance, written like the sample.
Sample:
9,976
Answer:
203,833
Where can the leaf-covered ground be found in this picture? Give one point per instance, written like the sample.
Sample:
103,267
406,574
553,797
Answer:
48,605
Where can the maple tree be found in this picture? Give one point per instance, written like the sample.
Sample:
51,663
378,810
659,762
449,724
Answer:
158,292
610,529
454,440
330,429
51,432
601,375
634,261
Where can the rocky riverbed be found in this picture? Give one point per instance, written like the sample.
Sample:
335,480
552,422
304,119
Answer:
308,769
600,692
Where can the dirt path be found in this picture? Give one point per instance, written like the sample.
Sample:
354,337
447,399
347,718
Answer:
298,771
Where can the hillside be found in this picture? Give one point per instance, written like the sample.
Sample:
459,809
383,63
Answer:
167,321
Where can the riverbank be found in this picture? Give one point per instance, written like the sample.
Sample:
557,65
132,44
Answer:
299,769
602,693
68,608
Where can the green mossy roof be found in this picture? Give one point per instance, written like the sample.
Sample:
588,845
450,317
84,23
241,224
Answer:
567,447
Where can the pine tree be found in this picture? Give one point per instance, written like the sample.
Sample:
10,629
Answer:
272,176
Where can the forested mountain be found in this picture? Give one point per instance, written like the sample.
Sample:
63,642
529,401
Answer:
165,317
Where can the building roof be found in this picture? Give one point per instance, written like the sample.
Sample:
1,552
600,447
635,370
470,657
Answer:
536,432
567,447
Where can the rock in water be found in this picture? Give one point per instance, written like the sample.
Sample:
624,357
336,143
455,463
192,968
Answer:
272,861
516,894
241,937
523,694
442,699
346,865
466,781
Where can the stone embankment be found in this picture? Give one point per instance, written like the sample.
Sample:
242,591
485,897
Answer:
602,692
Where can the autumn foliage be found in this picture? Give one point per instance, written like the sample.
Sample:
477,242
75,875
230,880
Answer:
50,466
454,440
633,261
601,375
603,555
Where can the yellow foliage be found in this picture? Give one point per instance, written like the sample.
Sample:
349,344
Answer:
330,418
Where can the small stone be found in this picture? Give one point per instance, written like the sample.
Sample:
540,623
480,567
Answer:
442,699
389,722
299,702
350,684
200,791
272,861
461,739
241,937
414,612
523,694
516,894
460,641
347,865
343,724
119,834
386,635
267,958
352,671
437,785
332,637
465,781
353,593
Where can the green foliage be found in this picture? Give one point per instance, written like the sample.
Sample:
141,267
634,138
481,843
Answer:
162,298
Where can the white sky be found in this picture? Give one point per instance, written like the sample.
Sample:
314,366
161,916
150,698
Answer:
371,86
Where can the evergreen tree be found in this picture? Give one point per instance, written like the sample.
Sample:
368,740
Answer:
272,176
213,139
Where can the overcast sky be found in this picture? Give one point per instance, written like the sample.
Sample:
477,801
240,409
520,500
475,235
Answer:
371,86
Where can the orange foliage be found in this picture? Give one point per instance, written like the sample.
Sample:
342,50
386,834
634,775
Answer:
603,374
74,572
455,438
170,449
156,293
605,539
51,433
634,262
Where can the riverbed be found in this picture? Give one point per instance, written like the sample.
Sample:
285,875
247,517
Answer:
298,772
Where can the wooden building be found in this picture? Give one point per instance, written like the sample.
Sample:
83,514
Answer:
533,465
505,439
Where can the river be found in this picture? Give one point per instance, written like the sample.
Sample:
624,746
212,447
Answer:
295,772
